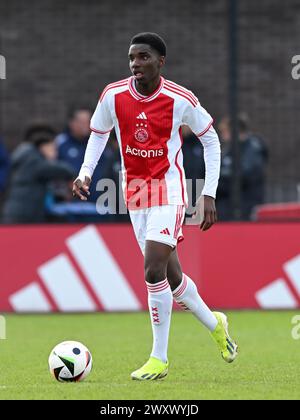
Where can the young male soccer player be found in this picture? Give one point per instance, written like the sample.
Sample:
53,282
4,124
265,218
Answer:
147,112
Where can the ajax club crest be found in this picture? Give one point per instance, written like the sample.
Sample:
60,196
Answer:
141,133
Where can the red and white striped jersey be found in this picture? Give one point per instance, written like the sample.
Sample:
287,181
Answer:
148,129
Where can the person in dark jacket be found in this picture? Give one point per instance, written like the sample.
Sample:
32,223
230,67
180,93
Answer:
253,160
34,166
193,162
4,167
72,143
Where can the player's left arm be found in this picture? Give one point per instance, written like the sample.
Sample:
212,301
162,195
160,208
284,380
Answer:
200,122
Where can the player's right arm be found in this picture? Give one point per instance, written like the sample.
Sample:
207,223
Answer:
101,125
95,147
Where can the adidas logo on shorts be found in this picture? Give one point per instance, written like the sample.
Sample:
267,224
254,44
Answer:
165,231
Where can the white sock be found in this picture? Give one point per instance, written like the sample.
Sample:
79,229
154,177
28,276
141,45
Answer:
187,296
160,301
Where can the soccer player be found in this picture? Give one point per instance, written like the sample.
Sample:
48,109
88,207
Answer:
147,112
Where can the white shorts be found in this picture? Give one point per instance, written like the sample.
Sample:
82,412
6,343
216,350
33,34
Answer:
158,223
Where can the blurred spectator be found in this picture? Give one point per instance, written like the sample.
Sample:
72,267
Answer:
113,168
253,159
72,143
193,160
4,167
34,165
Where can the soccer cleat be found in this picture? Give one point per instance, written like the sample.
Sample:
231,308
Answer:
153,369
227,346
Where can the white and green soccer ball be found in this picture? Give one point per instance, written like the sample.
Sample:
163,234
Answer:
70,361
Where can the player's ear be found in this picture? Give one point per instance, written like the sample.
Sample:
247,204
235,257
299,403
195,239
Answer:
162,61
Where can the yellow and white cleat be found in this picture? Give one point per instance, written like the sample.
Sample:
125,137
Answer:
221,336
153,369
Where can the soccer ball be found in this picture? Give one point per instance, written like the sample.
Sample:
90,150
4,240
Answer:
70,361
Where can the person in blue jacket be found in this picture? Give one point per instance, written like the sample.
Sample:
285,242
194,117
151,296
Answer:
71,145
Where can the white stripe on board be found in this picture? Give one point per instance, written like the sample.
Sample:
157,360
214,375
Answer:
292,269
102,271
30,298
276,295
65,285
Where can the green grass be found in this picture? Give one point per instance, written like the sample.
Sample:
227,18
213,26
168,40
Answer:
267,367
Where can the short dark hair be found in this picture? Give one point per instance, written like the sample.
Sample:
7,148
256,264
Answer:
39,134
73,109
242,120
150,38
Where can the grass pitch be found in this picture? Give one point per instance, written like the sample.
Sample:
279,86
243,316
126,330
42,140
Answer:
267,367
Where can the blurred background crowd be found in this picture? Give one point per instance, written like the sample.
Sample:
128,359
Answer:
36,177
238,63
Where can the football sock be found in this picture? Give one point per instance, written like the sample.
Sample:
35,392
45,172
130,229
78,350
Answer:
187,296
160,303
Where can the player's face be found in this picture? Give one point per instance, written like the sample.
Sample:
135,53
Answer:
145,63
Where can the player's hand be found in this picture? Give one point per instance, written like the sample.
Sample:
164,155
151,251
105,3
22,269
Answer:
81,188
206,209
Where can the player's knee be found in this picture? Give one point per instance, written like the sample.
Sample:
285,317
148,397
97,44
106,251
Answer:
174,280
174,274
155,273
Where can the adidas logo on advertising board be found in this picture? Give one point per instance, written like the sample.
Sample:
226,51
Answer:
278,294
70,289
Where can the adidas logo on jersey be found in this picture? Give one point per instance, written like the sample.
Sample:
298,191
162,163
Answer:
142,116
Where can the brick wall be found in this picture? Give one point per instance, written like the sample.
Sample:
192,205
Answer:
60,53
